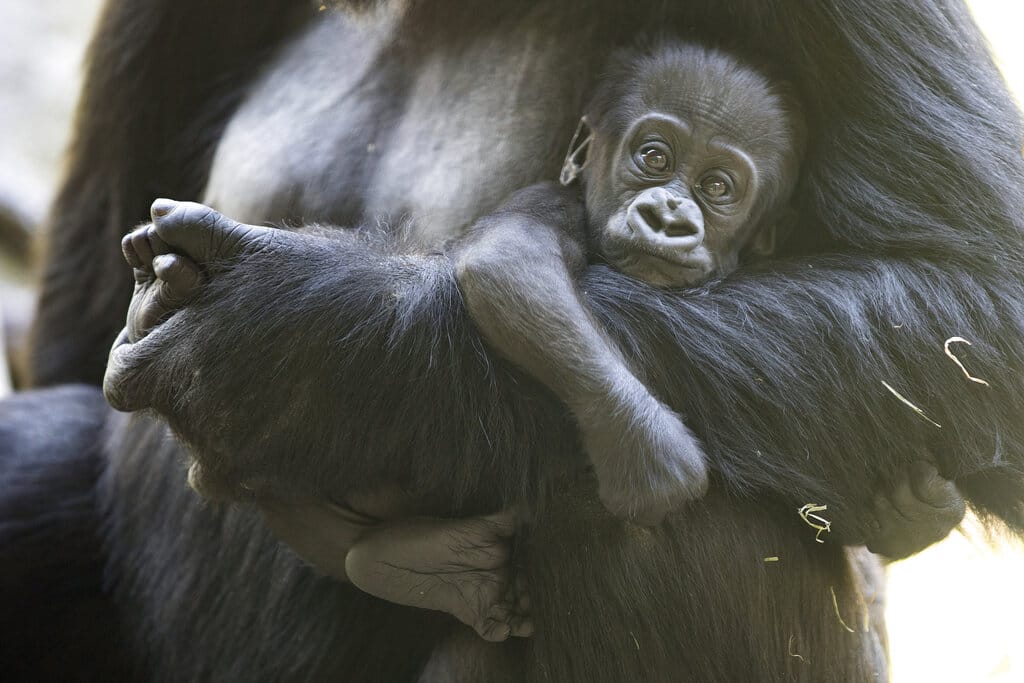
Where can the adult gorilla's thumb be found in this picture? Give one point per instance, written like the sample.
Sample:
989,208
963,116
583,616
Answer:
121,382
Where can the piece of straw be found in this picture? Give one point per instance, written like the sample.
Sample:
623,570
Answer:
835,603
910,405
961,340
814,521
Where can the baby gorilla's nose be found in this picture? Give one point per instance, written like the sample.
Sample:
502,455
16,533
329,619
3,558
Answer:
668,219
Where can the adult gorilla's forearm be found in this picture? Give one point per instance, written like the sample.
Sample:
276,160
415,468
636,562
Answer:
783,373
296,363
358,333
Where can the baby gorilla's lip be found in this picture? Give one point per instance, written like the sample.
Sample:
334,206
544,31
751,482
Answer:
655,265
661,271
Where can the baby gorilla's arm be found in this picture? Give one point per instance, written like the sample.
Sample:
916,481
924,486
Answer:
516,269
457,566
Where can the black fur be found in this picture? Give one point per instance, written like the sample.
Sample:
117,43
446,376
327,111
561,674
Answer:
56,623
909,234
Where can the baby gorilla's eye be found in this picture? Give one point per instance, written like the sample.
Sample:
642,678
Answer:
654,158
715,186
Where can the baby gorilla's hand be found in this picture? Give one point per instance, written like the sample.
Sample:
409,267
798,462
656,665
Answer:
922,509
169,257
459,566
647,462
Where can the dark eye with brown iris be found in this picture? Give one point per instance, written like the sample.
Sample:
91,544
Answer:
714,186
654,159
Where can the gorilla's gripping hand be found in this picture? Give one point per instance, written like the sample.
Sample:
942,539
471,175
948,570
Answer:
185,247
166,254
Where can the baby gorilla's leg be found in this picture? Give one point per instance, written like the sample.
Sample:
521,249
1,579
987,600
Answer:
456,566
169,257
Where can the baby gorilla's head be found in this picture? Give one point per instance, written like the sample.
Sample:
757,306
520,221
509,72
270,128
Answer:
694,155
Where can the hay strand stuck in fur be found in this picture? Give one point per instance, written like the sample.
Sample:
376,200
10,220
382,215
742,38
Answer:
794,654
961,340
835,603
903,399
820,524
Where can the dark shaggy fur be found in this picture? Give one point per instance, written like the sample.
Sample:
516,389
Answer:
909,233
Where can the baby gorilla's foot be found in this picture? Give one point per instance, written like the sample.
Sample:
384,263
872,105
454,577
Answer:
647,462
459,566
170,255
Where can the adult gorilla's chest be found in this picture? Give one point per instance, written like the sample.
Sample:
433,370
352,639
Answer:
345,126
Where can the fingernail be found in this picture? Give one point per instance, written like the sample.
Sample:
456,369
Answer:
161,207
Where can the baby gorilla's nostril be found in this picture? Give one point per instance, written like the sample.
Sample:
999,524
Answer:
649,215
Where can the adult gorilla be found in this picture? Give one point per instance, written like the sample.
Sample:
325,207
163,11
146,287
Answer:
909,235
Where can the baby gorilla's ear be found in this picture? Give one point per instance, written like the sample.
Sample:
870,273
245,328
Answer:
771,235
576,156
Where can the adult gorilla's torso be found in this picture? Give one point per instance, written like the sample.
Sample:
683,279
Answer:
346,126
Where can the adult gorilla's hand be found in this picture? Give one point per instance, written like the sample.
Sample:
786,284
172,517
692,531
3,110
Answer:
251,352
170,258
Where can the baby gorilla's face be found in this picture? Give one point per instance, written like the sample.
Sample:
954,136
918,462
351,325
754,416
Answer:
682,195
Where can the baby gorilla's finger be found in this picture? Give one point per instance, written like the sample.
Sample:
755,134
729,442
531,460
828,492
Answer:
180,276
906,525
136,249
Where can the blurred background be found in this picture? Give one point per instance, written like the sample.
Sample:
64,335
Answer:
956,611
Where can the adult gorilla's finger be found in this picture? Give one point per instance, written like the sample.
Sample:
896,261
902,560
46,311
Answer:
203,233
181,277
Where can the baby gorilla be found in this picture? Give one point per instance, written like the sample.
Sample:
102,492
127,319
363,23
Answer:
691,162
692,159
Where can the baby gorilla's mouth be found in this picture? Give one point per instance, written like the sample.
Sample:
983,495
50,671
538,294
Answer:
659,270
648,263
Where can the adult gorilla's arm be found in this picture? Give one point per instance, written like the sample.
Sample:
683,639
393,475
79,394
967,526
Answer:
381,336
161,81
